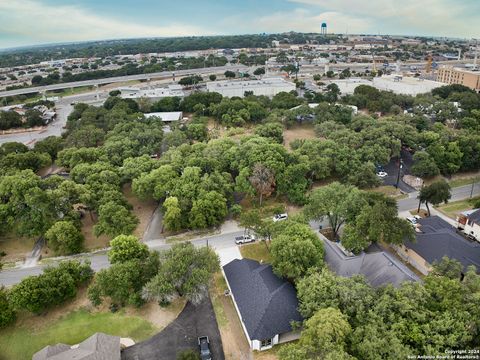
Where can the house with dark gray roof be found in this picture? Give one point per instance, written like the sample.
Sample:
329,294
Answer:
469,223
99,346
378,267
266,304
436,238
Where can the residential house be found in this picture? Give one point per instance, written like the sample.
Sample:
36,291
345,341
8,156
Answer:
436,238
266,304
469,223
97,347
378,267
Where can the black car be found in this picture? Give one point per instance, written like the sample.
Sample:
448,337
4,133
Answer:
204,346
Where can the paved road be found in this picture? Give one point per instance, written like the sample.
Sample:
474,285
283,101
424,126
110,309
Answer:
163,74
100,261
223,241
459,193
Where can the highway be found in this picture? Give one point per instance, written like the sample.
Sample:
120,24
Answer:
204,71
96,82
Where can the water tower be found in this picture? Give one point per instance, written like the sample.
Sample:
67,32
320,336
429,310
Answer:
324,29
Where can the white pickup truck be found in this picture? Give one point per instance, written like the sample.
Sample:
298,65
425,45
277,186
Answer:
244,239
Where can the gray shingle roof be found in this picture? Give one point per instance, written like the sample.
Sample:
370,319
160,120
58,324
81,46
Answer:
378,267
99,346
438,239
267,303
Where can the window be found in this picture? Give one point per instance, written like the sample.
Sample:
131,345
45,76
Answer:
266,343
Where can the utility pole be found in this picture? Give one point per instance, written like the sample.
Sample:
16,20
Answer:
400,166
473,186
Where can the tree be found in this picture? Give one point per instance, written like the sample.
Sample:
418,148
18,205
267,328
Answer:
324,337
7,312
271,130
435,193
50,145
126,247
53,287
185,271
229,74
122,282
263,180
114,219
172,216
295,250
259,71
424,166
336,202
209,209
449,268
64,238
213,77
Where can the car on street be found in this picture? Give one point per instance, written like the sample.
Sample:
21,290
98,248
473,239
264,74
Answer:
280,217
244,239
382,174
204,346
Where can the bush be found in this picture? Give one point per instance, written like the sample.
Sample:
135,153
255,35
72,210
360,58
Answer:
7,312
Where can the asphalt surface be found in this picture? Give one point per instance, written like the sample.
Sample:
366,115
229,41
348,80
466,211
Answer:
392,169
9,277
182,334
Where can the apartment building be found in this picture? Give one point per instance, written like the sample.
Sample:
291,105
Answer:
451,75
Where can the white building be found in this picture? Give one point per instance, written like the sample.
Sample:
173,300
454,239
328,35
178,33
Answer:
405,85
469,223
154,94
167,116
348,86
267,86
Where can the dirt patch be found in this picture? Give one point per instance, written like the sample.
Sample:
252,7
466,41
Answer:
235,344
15,247
142,209
158,316
298,132
91,241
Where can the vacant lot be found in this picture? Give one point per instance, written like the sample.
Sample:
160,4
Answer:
298,132
142,209
77,320
257,251
454,208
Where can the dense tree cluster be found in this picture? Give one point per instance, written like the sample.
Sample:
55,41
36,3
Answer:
348,319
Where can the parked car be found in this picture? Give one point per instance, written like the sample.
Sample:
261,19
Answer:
414,219
382,174
280,217
244,239
204,346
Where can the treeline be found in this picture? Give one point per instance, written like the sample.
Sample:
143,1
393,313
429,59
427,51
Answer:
103,49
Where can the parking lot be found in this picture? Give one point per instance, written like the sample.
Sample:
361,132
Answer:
392,170
194,321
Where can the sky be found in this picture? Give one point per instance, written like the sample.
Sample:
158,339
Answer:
33,22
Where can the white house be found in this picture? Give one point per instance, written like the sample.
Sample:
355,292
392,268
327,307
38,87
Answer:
469,223
266,304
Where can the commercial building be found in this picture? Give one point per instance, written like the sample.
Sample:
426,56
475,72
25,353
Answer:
267,87
167,116
266,304
405,85
451,75
348,86
153,94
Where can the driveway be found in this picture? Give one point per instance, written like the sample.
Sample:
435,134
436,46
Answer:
392,170
181,335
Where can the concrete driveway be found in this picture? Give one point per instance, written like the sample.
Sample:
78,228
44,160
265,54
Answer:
194,321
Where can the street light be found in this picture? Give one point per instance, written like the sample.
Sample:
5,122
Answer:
400,166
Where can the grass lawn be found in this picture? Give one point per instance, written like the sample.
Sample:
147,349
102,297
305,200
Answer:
462,181
452,209
21,342
70,91
390,191
256,251
302,132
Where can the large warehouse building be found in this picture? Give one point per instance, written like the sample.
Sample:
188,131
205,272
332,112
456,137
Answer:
268,87
405,85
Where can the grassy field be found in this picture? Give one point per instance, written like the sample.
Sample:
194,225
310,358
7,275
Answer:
15,247
256,251
20,343
390,191
452,209
462,182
